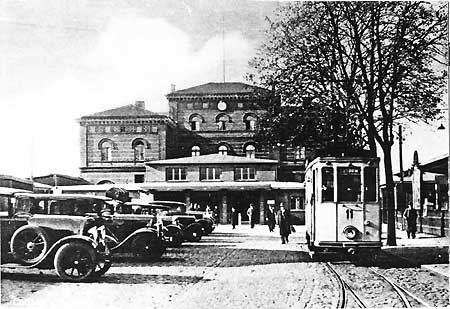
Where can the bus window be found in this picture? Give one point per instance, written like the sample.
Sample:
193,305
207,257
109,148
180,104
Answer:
349,184
327,184
370,184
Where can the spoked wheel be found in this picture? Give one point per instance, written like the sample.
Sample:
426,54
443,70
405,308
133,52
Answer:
29,244
75,261
147,247
101,267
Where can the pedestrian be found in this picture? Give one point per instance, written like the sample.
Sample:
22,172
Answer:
410,215
270,218
251,215
216,215
234,217
284,223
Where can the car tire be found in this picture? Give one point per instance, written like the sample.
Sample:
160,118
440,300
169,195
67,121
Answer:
29,244
75,261
147,247
101,267
194,233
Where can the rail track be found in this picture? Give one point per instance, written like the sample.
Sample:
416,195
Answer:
347,294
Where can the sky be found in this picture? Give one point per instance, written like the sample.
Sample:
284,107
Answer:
64,59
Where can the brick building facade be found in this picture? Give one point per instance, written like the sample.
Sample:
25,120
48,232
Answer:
115,144
215,122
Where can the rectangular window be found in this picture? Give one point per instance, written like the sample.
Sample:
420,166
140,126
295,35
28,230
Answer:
240,105
138,178
349,184
297,203
205,105
327,184
190,106
370,184
122,129
139,129
175,173
244,173
210,173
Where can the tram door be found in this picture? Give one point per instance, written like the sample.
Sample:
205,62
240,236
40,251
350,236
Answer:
350,208
325,204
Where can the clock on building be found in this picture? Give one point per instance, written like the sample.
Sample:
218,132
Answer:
222,105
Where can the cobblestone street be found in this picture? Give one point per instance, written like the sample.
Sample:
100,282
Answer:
240,268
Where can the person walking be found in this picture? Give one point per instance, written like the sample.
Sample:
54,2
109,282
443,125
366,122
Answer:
234,217
410,215
270,218
251,215
284,223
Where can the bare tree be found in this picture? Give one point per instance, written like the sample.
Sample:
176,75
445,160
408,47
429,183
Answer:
376,63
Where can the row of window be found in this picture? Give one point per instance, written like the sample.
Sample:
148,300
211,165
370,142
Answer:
124,129
249,150
349,184
139,145
222,119
210,173
211,105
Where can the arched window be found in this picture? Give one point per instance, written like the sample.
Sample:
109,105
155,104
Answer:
106,146
195,151
223,150
250,151
139,151
195,120
222,120
250,120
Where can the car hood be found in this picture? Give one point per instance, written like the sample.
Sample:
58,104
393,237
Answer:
60,222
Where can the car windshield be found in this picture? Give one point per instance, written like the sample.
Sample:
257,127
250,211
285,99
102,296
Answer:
57,207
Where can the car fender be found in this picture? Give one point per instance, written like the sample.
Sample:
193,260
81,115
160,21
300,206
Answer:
127,241
51,252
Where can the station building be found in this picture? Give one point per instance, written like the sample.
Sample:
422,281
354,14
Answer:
203,152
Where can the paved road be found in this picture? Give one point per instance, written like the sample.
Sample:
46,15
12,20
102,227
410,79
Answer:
228,269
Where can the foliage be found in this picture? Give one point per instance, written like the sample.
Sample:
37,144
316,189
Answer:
352,66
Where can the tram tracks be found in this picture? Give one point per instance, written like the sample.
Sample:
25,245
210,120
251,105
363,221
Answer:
380,292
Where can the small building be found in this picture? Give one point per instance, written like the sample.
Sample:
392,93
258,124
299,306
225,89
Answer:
55,180
224,181
425,185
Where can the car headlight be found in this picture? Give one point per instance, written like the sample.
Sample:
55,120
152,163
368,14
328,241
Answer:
350,232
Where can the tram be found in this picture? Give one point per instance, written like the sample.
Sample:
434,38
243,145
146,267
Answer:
343,212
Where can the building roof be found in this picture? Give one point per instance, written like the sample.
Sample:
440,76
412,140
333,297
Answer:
437,165
131,110
190,185
61,180
215,158
219,89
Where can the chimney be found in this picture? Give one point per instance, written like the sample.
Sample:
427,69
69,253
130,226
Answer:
172,88
140,104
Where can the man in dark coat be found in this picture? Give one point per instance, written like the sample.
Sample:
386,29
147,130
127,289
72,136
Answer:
234,217
270,218
284,222
410,216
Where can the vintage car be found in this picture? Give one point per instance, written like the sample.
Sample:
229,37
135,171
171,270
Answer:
73,245
171,233
179,209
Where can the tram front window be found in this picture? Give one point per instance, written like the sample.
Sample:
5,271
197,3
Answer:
370,184
327,184
349,184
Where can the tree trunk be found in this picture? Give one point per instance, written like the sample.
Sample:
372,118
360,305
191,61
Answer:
391,239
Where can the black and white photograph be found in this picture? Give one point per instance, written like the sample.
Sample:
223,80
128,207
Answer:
224,154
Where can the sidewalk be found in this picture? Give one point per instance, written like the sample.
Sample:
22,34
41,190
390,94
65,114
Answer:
430,251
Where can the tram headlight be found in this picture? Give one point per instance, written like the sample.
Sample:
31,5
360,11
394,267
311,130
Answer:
350,232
